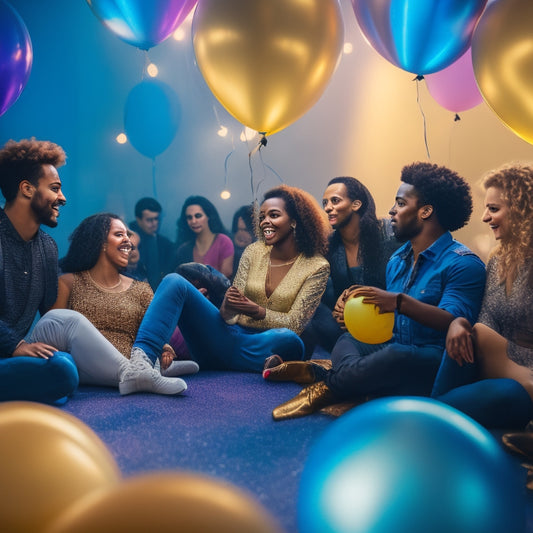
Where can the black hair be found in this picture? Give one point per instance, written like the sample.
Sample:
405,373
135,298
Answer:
150,204
184,233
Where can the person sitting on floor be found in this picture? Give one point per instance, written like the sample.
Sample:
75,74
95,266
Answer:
98,311
487,372
275,292
33,369
359,249
431,280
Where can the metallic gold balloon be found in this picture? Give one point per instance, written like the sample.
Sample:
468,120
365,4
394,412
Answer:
48,460
167,503
267,61
502,55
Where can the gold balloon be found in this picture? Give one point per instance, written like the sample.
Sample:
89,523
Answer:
48,460
267,61
502,55
365,323
167,503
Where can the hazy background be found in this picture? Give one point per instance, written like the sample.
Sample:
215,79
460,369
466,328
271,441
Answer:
368,124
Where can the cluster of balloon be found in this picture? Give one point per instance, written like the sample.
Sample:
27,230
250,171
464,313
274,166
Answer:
16,56
59,477
409,465
419,37
502,54
140,23
455,87
267,62
365,323
152,115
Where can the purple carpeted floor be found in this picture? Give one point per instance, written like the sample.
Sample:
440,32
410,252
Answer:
222,427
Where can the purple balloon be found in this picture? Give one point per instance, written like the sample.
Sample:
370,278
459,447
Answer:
16,56
455,87
419,36
142,23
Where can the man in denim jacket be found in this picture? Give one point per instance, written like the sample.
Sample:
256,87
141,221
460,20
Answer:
431,280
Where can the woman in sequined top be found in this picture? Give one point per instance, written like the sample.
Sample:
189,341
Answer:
488,370
278,285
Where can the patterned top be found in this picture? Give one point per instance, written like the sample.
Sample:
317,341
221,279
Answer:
117,315
510,315
294,300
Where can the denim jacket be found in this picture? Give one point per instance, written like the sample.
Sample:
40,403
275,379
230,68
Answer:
447,275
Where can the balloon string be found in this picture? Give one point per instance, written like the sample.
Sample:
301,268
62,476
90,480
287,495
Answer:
418,79
262,142
145,66
153,178
226,169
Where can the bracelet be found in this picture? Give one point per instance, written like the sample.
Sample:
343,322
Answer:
399,298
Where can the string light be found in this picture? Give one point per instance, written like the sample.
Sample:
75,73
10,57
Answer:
225,195
223,131
121,138
179,34
348,48
247,134
152,70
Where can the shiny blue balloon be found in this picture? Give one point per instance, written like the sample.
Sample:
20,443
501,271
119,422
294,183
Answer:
151,117
142,23
409,465
420,36
16,56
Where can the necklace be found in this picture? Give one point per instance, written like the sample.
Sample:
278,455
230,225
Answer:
102,286
282,264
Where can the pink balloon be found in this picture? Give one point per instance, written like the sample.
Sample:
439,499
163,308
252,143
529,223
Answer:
455,87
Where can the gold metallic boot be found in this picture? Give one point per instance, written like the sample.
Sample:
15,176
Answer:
309,400
303,372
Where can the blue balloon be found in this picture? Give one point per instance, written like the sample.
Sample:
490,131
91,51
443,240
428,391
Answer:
409,465
151,117
16,56
142,23
420,36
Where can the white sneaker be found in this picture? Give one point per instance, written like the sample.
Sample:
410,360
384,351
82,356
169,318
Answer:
140,376
179,368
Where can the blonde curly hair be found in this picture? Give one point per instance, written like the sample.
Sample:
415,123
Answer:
516,250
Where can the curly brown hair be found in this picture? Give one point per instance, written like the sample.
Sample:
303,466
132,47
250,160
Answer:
312,228
23,160
516,183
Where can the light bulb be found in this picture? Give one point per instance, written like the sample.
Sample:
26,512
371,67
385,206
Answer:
225,195
121,138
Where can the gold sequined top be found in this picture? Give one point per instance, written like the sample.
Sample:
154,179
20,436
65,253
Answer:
117,315
294,300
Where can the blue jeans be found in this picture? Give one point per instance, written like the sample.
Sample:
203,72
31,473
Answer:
37,380
213,344
494,403
388,369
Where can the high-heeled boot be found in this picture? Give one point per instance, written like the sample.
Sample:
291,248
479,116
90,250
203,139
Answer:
309,400
303,372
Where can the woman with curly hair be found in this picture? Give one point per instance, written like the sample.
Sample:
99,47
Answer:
202,237
278,285
109,308
488,370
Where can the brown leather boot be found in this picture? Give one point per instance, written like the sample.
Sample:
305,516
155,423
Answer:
303,372
309,400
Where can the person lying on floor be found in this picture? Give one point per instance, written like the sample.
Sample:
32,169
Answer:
278,285
358,251
98,311
30,369
431,280
487,372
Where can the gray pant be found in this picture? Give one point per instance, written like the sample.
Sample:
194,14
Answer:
98,361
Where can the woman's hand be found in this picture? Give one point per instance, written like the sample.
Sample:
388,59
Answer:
238,303
34,349
459,341
167,356
338,310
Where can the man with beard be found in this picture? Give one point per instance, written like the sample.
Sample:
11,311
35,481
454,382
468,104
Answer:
431,280
31,186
